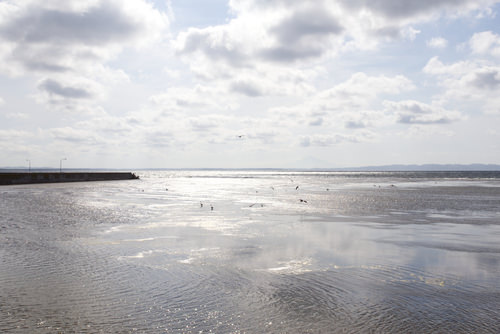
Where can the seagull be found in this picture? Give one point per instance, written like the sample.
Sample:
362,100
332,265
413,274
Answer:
241,136
303,200
297,187
211,207
201,204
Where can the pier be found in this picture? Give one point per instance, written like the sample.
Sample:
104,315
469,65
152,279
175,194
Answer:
7,178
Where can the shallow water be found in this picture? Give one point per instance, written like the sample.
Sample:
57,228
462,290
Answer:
362,252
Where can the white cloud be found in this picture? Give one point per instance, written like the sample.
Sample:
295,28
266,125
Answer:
410,33
107,126
102,133
485,42
359,90
206,124
426,131
346,113
268,46
200,99
6,135
360,84
437,43
68,91
70,94
415,112
284,31
335,139
475,82
417,9
19,116
15,142
61,36
285,75
75,136
265,33
67,44
174,74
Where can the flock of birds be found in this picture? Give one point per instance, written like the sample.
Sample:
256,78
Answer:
254,204
262,205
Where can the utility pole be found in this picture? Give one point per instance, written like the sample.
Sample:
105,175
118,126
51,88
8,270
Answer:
29,166
60,164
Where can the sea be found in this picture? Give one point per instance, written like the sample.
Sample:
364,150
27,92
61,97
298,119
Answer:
253,251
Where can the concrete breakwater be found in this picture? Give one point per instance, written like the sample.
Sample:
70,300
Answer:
54,177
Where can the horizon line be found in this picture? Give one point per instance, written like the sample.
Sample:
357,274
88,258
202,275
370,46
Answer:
391,167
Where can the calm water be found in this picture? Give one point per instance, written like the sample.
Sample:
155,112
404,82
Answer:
361,253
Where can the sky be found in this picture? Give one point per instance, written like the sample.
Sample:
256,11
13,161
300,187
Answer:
249,83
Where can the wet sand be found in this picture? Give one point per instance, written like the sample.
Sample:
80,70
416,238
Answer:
130,256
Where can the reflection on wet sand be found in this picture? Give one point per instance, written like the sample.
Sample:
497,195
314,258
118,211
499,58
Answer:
355,258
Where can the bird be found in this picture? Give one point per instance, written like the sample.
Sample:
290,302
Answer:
201,204
303,200
297,187
211,207
241,136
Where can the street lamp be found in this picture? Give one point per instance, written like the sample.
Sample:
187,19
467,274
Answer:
60,164
29,166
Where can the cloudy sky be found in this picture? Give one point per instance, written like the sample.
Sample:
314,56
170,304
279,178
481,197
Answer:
249,83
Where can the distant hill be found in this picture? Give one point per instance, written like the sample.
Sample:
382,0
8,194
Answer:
426,167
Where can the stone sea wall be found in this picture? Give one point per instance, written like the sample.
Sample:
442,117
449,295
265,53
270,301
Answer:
54,177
